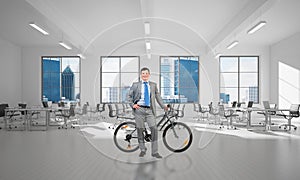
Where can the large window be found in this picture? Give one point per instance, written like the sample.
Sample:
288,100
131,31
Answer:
117,75
179,79
61,78
239,79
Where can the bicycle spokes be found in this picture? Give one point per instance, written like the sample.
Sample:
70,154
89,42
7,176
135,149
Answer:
177,137
125,137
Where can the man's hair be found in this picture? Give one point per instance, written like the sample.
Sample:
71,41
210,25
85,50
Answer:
145,69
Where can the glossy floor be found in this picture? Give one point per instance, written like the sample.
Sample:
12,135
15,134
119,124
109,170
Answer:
88,153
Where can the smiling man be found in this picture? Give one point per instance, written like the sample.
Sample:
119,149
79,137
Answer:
141,97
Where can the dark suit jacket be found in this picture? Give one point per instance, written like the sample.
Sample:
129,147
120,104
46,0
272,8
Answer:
134,95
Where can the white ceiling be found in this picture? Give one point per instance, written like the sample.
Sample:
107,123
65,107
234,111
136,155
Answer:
192,25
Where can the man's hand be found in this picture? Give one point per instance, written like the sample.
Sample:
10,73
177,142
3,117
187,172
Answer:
136,106
166,108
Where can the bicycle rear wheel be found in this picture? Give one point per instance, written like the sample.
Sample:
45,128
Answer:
177,137
125,137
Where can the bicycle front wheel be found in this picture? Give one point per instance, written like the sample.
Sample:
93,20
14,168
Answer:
177,137
125,137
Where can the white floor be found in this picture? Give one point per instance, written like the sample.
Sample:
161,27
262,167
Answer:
88,153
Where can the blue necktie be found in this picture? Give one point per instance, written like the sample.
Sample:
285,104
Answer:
146,94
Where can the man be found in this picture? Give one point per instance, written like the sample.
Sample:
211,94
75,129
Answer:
141,98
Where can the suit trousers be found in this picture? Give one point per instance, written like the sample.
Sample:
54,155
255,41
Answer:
142,115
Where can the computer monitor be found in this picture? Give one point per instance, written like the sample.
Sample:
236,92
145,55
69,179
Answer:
250,104
239,105
45,104
266,104
234,104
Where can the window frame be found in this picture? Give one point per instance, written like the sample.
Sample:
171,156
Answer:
239,73
178,85
60,72
118,72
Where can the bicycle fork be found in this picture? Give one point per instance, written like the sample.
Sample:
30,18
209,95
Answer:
173,129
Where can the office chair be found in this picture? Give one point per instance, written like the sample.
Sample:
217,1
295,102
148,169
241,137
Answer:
228,114
114,111
293,113
82,114
23,106
197,110
213,112
127,108
180,110
244,115
15,115
67,116
2,111
271,111
45,104
200,111
93,112
25,113
99,109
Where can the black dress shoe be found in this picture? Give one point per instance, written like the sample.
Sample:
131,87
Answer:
157,155
142,153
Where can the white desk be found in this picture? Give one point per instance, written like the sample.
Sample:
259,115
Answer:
249,111
267,114
11,112
28,112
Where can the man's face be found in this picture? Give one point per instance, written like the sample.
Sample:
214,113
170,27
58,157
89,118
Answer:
145,75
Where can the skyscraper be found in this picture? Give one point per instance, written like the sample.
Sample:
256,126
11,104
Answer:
51,79
68,84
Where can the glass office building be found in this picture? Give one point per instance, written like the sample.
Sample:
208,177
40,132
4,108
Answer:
188,76
57,84
68,84
51,79
179,79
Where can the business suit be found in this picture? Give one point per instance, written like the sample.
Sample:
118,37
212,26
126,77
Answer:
145,114
135,95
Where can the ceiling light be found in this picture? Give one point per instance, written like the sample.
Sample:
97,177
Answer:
231,45
256,27
81,56
149,56
217,55
148,45
38,28
147,28
65,45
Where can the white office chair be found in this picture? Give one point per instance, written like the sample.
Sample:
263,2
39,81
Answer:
293,113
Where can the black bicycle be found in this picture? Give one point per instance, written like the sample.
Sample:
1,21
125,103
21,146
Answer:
177,136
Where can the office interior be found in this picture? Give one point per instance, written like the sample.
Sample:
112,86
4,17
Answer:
103,28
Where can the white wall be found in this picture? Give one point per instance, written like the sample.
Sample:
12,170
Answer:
10,73
287,52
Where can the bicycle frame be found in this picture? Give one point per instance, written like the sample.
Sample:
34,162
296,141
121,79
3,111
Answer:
167,118
176,136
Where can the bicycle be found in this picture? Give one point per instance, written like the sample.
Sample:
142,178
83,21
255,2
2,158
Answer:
177,136
173,113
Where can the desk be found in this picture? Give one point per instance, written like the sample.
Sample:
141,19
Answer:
63,113
267,114
248,111
30,112
11,112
